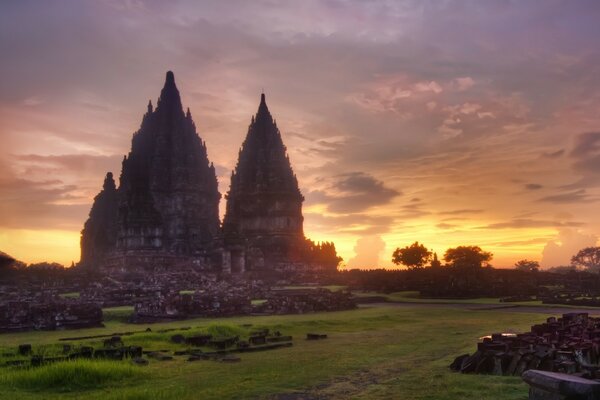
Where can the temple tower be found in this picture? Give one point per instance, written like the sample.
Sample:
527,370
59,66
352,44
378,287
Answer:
264,203
99,234
167,203
169,199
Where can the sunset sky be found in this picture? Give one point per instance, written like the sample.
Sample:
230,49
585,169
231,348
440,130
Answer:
447,122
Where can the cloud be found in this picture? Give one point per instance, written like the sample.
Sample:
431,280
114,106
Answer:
464,211
40,205
520,223
513,243
355,224
413,210
575,196
82,163
586,152
368,251
568,242
554,154
533,186
353,192
444,225
403,91
464,83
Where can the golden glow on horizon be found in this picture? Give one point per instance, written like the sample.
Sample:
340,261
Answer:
31,246
62,246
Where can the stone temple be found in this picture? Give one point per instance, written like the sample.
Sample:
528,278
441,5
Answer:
165,211
264,203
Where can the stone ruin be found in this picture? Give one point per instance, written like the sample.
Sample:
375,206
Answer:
157,233
75,297
24,315
569,344
237,301
300,301
182,306
164,212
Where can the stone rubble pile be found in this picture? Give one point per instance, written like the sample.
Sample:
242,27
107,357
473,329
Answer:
300,301
199,304
570,345
27,315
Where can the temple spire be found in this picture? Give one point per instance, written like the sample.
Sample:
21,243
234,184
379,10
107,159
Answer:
169,95
109,182
263,114
170,79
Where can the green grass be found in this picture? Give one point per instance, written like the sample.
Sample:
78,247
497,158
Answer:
116,314
333,288
414,297
70,295
70,376
375,352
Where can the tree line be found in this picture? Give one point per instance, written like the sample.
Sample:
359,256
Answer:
417,256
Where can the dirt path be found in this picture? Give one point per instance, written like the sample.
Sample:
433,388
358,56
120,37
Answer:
345,387
550,310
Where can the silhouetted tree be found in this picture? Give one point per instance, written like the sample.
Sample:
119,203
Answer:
323,254
527,265
414,256
46,266
588,258
468,257
435,263
562,269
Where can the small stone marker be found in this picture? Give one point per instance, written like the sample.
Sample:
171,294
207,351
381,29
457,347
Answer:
315,336
179,339
24,349
139,361
230,358
544,385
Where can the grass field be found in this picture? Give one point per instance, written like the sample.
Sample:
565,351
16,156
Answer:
378,352
413,297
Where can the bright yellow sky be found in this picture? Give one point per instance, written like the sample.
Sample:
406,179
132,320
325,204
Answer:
404,122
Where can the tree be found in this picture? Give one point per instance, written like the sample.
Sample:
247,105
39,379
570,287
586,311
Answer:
323,254
469,257
414,256
435,263
588,258
527,265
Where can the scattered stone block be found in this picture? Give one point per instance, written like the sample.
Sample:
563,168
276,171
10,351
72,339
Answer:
316,336
139,361
198,340
223,343
179,339
545,385
230,358
258,339
457,363
24,349
36,360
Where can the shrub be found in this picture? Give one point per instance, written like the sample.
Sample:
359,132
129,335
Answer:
224,330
